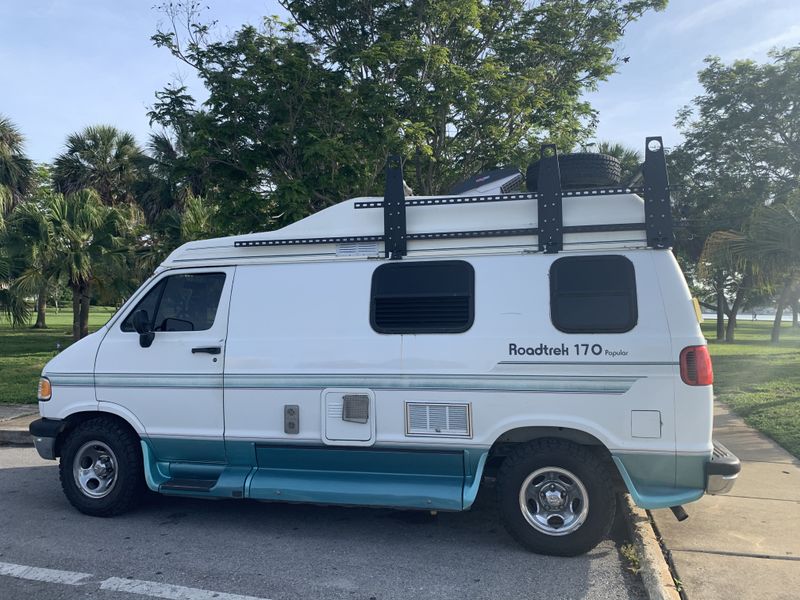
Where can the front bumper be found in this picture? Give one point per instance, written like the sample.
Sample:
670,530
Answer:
722,470
45,432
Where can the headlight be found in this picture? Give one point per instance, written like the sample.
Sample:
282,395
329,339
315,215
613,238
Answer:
45,391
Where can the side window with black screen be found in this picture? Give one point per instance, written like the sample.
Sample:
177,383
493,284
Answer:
185,302
423,297
593,294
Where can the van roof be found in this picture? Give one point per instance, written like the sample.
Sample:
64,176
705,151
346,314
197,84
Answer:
549,220
349,229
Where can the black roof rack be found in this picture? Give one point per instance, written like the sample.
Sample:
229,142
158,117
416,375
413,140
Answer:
551,230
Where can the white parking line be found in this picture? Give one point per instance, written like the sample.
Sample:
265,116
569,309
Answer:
40,574
153,589
165,590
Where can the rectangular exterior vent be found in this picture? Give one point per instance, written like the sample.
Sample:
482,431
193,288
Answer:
357,249
447,420
355,408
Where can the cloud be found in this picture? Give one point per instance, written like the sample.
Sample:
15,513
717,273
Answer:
790,37
710,12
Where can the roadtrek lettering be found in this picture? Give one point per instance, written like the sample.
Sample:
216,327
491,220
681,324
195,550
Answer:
564,350
540,350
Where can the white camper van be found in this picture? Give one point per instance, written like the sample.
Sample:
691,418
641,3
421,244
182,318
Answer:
397,352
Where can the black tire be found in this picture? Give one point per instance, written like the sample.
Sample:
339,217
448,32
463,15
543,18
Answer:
580,170
591,471
128,485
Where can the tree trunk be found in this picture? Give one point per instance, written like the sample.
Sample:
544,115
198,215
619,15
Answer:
41,306
738,301
76,312
783,300
84,317
795,310
720,310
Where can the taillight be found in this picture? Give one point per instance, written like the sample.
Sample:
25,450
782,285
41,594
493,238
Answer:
696,366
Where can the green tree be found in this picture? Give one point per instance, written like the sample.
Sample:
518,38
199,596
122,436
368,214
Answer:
88,236
304,114
101,158
31,245
769,247
16,169
741,151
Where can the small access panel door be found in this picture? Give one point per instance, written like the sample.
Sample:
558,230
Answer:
348,417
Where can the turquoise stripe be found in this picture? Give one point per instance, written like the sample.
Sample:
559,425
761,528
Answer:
516,383
70,379
159,380
493,382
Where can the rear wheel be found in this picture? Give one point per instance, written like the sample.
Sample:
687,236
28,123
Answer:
556,497
101,468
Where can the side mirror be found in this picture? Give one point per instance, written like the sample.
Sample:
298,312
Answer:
141,323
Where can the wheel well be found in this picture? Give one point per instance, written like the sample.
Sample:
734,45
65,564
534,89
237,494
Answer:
75,419
507,442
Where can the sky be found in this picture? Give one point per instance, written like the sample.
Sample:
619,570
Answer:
71,63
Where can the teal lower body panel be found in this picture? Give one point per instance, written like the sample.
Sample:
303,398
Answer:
429,478
662,480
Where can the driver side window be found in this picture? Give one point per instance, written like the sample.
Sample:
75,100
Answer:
185,302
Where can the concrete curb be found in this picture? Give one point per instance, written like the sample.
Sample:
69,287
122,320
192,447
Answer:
655,573
15,431
15,437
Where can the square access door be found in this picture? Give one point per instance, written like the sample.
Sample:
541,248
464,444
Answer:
348,417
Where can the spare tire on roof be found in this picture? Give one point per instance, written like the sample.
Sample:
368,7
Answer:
580,170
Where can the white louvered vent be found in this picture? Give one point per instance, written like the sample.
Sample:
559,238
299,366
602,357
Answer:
357,249
438,419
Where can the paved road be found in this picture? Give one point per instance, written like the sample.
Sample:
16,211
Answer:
275,551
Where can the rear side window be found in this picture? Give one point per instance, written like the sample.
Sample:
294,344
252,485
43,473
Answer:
593,294
423,297
185,302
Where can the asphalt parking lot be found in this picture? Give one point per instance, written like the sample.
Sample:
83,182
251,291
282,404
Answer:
189,549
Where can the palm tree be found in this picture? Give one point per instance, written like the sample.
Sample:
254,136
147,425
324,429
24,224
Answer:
16,169
769,248
101,158
171,176
30,242
630,159
86,235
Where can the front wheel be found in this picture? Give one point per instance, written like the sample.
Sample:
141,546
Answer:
556,497
101,468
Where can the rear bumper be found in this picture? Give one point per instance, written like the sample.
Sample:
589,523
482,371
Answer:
45,432
722,470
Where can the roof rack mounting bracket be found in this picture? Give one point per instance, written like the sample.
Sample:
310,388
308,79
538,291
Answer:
551,233
394,211
657,204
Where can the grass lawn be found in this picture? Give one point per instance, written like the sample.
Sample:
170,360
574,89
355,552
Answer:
761,381
24,351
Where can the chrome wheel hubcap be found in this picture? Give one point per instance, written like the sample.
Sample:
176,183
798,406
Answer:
95,469
553,501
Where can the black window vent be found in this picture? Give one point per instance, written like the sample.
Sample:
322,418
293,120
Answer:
425,297
423,314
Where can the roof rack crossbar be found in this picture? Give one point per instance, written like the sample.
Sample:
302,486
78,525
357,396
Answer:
445,200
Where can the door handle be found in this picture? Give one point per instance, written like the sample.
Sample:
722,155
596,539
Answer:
207,349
